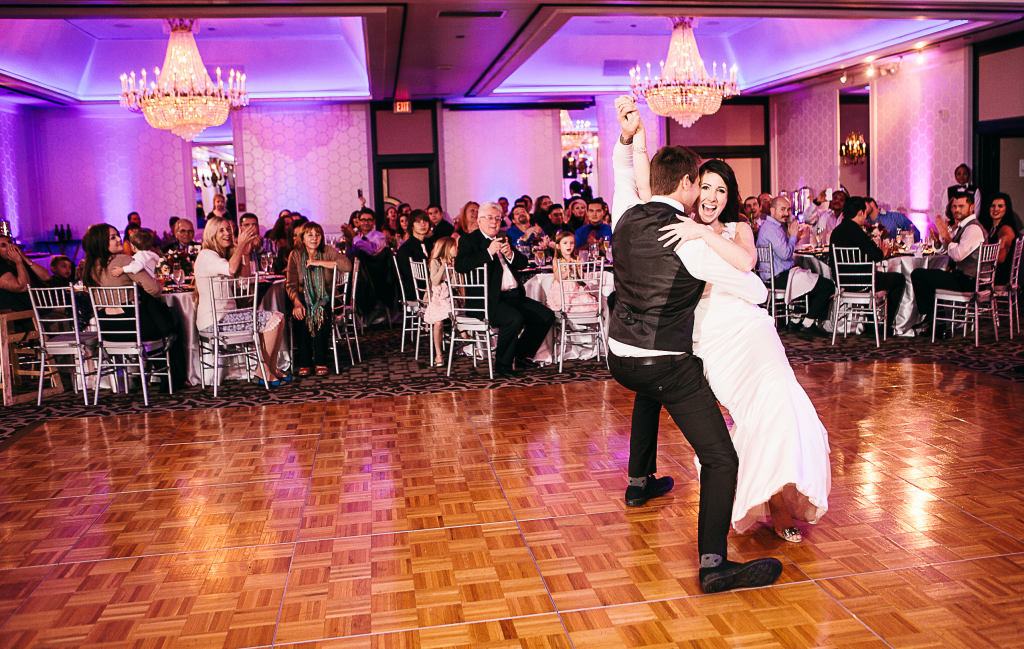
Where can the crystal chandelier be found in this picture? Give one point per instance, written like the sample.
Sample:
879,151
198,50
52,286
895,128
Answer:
854,149
573,133
183,99
683,90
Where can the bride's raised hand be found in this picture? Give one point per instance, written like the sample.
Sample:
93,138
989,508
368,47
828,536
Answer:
679,233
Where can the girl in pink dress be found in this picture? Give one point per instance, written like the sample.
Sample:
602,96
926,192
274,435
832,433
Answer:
439,306
577,300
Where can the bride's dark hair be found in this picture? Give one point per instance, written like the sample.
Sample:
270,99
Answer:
731,212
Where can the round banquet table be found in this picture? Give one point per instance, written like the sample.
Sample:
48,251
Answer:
907,316
537,288
184,305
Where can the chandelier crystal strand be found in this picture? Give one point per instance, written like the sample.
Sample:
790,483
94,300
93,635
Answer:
183,99
683,90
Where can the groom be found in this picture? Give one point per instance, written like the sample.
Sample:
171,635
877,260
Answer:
651,344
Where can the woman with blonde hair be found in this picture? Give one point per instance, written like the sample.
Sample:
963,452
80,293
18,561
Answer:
439,307
222,256
468,217
576,300
309,288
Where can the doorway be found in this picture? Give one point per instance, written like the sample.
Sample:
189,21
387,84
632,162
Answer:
213,174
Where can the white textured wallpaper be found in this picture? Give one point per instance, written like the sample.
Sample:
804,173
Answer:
308,158
494,153
97,164
920,126
805,140
609,131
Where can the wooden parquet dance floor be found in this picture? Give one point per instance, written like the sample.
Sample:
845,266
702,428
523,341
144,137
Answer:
496,519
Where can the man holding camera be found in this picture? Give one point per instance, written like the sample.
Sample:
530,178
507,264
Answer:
508,308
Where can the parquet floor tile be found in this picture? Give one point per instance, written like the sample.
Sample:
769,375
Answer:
394,582
584,484
40,532
228,598
195,519
66,473
389,493
212,463
966,604
495,518
641,555
228,424
533,632
887,524
789,616
579,433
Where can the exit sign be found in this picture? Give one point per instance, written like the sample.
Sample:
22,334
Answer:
403,106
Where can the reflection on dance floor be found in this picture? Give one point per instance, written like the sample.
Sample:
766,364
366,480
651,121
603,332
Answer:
496,518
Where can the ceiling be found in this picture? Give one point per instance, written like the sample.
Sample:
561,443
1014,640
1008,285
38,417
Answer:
505,51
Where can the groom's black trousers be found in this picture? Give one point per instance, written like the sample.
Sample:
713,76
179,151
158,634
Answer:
681,388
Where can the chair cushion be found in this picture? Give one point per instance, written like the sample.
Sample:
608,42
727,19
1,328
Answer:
954,296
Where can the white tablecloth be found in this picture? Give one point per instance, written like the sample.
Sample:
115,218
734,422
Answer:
907,316
537,288
184,305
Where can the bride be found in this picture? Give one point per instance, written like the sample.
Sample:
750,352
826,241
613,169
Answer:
782,446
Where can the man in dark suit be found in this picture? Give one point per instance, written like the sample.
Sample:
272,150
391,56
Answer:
508,308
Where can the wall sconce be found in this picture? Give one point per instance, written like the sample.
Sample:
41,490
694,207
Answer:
842,79
854,150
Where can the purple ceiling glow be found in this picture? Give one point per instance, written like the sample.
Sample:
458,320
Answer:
766,50
282,57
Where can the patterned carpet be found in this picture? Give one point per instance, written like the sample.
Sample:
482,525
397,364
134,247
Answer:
385,372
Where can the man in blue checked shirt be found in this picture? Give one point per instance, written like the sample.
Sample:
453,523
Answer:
891,221
782,232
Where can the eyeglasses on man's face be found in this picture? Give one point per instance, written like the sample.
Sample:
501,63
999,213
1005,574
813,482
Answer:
493,219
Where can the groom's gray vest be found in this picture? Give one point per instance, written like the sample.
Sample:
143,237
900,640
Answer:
654,293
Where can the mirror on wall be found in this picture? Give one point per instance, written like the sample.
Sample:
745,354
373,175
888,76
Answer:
213,177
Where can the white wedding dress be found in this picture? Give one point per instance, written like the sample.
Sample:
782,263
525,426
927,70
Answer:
781,443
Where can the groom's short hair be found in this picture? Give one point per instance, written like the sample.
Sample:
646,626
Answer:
669,166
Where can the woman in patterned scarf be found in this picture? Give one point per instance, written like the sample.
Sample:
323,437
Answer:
309,288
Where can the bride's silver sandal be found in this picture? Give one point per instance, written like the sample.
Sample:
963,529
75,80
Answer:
791,534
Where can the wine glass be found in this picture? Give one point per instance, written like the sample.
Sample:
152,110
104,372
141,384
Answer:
177,274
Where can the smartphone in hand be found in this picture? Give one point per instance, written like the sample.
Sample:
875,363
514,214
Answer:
359,193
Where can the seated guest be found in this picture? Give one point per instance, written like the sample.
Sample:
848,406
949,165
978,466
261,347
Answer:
17,274
782,231
252,221
467,218
576,300
103,255
1002,229
391,216
595,229
522,231
279,234
404,229
527,202
221,256
220,208
130,229
62,271
540,215
503,202
439,306
751,208
144,260
417,248
764,200
183,249
508,308
850,234
963,247
442,227
404,209
893,222
576,212
376,287
309,288
134,218
825,219
556,222
168,236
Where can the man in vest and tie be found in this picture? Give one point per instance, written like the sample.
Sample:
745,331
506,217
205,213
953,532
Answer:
651,345
963,247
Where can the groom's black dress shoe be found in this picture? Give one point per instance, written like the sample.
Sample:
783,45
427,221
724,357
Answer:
524,363
637,496
730,575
